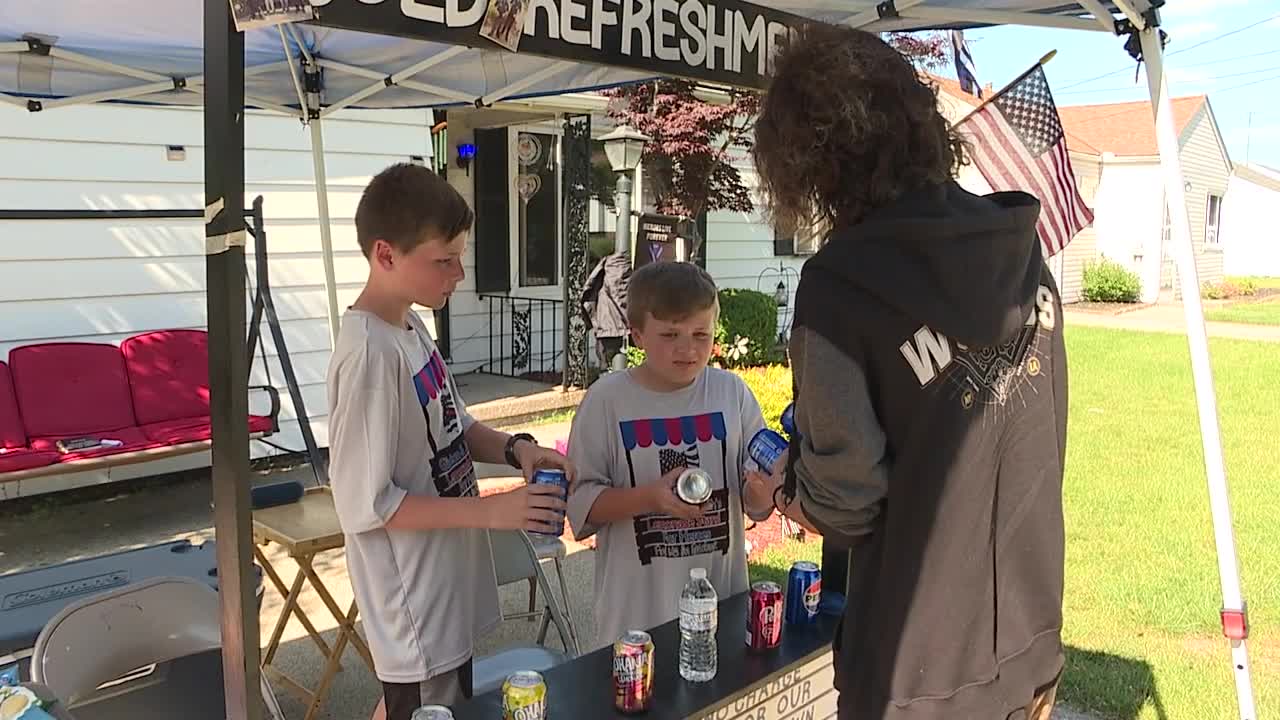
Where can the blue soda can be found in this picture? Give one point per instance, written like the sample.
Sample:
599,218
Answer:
789,419
804,591
560,480
765,449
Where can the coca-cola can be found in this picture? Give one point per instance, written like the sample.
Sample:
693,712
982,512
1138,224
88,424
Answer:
633,672
764,616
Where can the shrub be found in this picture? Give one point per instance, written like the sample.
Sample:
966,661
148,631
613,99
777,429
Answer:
771,384
751,315
1229,288
1109,281
746,335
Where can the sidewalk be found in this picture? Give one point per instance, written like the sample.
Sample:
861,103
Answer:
1168,318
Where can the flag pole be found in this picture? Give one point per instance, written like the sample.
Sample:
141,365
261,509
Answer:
1043,60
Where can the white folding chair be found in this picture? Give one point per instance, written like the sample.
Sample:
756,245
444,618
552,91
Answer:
516,560
107,640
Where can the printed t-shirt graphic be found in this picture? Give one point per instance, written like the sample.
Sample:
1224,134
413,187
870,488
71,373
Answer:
451,465
669,443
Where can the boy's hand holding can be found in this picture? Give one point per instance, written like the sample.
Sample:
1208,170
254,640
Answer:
662,498
758,489
532,508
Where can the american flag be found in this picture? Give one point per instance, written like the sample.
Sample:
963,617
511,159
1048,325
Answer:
1018,144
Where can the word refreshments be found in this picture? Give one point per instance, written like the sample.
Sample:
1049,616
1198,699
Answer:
726,40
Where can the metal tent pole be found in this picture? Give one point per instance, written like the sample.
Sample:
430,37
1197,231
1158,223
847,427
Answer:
310,88
1234,618
326,234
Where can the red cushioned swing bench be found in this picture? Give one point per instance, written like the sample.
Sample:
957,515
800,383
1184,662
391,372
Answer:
74,407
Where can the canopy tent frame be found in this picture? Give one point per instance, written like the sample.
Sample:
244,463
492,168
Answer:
1144,21
223,82
310,110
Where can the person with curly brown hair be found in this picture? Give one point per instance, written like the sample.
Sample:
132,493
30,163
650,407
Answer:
930,391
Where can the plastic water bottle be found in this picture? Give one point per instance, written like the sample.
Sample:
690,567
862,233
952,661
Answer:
699,609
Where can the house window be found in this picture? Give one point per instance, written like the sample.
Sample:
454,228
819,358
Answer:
1212,219
537,191
806,241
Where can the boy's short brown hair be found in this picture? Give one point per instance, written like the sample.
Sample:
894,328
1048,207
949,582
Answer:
670,291
408,204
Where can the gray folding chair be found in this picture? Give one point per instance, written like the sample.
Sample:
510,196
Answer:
553,548
516,560
103,654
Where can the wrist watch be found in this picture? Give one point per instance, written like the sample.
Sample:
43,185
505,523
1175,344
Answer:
511,447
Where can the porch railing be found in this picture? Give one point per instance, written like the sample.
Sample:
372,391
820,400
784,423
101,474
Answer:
526,337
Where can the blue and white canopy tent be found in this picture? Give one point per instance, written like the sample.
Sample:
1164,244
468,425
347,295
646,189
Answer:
430,53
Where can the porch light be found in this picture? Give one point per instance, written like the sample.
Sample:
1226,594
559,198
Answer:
624,148
466,153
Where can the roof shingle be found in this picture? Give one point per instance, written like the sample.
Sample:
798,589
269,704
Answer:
1126,129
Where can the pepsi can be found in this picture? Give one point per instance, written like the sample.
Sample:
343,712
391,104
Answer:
804,591
788,420
765,449
560,480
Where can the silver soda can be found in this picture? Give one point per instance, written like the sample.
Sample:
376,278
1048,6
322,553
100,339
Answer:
694,486
432,712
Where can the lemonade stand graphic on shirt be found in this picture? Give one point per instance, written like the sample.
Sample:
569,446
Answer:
654,447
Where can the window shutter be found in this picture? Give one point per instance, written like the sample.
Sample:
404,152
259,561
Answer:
783,245
492,230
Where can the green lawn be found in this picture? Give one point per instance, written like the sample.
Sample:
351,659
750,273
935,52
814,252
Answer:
1142,593
1142,583
1252,313
1259,281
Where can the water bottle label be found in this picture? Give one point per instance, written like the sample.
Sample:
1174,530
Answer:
698,620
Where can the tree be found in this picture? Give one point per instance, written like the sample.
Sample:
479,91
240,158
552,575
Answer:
688,163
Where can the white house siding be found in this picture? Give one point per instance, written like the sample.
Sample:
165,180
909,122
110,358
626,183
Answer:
101,281
1205,164
1251,227
1128,211
740,250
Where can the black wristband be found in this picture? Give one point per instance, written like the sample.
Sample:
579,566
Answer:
510,450
776,506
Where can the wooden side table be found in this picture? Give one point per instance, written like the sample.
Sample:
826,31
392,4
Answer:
305,529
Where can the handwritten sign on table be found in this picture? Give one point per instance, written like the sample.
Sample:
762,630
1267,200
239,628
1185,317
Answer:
805,693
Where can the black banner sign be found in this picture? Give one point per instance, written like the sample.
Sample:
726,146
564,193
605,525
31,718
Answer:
656,240
723,41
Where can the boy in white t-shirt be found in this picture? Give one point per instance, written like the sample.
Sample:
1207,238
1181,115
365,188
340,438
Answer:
633,435
401,449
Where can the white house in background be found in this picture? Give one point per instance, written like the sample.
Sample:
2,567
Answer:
1117,167
1250,233
103,280
1130,224
1067,266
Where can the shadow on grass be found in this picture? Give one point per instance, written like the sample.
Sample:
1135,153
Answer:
1110,686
